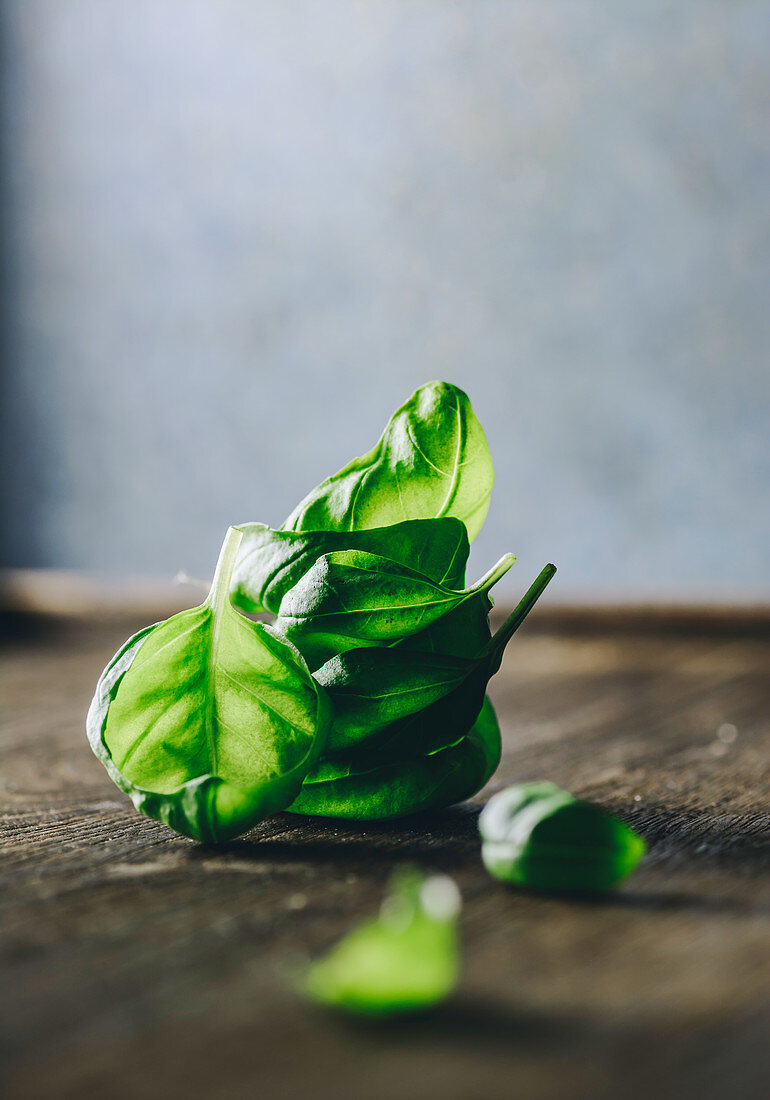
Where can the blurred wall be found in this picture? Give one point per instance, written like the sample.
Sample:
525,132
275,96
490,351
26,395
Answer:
238,233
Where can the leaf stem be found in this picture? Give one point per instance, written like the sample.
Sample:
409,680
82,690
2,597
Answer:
494,574
219,593
502,636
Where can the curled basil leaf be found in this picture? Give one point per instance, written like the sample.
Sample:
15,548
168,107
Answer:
429,783
540,836
209,721
271,562
393,704
460,633
405,960
352,599
373,689
432,460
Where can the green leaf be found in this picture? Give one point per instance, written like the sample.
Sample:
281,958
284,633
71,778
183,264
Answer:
405,960
372,689
393,704
429,783
271,562
209,721
462,632
540,836
431,461
352,599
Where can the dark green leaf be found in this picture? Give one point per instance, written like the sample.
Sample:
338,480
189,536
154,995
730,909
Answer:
392,704
271,562
372,689
432,461
209,721
352,599
462,632
540,836
405,960
430,783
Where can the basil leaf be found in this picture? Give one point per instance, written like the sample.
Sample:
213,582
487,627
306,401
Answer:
394,704
350,599
540,836
405,960
462,632
394,790
432,460
371,689
438,725
271,562
209,721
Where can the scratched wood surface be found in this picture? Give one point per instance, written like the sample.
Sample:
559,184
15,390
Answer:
136,963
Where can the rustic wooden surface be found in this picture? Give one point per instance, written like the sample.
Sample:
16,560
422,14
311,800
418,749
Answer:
138,963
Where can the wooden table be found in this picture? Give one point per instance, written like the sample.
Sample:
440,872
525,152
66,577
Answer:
137,963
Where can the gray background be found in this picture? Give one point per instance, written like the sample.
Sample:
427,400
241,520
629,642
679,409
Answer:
238,234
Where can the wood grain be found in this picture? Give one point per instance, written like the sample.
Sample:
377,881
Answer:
138,963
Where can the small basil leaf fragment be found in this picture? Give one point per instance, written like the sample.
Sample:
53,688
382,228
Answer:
431,461
271,562
405,960
430,782
351,599
209,721
539,836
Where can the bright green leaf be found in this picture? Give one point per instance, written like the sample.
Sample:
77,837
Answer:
209,721
271,562
352,599
431,461
405,960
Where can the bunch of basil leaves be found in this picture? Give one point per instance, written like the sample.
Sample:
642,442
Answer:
366,695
